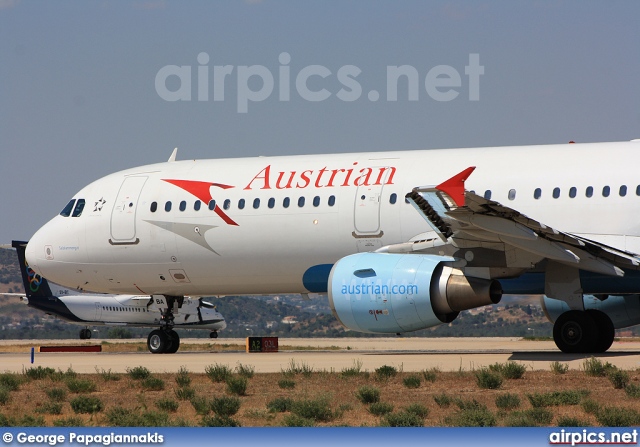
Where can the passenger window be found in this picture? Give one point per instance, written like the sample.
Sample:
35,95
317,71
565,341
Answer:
154,206
393,198
196,205
212,205
167,207
271,203
623,190
572,192
316,201
183,205
638,190
285,202
227,204
77,211
487,195
301,202
512,194
537,193
556,192
66,211
256,203
241,204
606,191
589,191
332,200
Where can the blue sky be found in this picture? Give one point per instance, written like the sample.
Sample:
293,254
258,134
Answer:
78,97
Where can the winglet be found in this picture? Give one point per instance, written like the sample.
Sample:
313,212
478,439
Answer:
454,187
173,155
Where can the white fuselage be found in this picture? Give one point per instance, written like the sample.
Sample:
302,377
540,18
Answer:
125,240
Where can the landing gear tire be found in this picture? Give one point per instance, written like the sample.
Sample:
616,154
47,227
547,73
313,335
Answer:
85,334
575,332
213,334
175,342
158,342
605,328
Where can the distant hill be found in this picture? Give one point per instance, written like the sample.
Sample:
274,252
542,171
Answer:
285,315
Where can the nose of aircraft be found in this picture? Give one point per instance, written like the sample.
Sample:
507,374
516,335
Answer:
35,251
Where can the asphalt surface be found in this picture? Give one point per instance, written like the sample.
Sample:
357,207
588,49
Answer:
410,354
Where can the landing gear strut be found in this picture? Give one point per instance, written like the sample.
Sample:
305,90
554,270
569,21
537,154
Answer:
85,334
583,332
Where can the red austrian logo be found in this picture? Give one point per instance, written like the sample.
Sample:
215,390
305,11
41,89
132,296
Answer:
202,191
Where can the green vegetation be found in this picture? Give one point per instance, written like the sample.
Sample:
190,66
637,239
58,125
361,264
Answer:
182,378
5,396
185,393
237,385
618,378
352,371
286,384
412,381
618,417
317,409
386,372
507,401
532,417
595,368
380,408
402,419
86,404
218,373
39,373
167,404
509,370
225,406
368,394
139,373
107,375
79,386
152,384
418,409
632,390
10,381
430,375
487,379
295,368
280,405
219,421
246,371
559,368
443,400
50,408
556,398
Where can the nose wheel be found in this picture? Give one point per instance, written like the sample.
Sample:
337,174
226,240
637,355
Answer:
85,334
213,334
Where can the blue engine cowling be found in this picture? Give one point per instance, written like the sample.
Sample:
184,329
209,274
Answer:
624,311
393,293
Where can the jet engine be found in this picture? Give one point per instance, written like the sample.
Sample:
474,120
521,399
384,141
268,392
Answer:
624,311
393,293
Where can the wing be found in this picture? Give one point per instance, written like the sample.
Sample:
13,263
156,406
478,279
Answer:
484,234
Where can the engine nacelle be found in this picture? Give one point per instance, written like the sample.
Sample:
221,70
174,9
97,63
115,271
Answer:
392,293
624,311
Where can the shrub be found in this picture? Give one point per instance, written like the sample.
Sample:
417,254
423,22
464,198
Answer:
443,400
60,375
386,372
139,373
559,368
380,408
10,381
218,373
488,380
317,409
5,396
368,394
56,394
513,370
556,398
107,375
79,386
286,384
31,421
225,406
402,419
293,420
618,417
71,421
478,417
201,405
468,404
86,404
352,371
219,421
430,375
569,421
152,384
590,406
507,401
533,417
618,378
418,409
185,393
595,368
125,417
245,370
412,381
167,404
280,405
39,373
295,368
182,378
50,408
632,390
237,385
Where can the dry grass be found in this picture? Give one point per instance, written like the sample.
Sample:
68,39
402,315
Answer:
31,399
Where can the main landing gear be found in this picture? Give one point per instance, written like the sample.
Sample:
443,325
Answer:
589,331
213,334
85,334
165,340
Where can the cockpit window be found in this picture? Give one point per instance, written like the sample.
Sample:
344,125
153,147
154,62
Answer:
66,211
77,211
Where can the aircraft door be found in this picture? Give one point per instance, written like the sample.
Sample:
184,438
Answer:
367,203
123,216
98,311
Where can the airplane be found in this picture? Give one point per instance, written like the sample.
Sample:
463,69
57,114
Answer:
399,241
90,309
